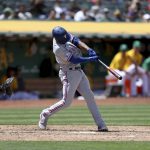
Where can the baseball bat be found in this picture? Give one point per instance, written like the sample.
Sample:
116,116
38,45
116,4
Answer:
117,75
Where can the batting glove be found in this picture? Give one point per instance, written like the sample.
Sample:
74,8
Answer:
91,52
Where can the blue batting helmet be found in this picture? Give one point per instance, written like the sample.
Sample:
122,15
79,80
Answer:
61,35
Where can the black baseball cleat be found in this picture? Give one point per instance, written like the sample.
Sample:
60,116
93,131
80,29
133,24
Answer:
5,87
104,129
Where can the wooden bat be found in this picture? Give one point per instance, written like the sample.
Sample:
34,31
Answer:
117,75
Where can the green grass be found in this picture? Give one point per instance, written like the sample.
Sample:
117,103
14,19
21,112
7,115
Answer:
113,115
75,145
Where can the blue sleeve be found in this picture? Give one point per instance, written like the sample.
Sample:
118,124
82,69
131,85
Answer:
75,40
77,60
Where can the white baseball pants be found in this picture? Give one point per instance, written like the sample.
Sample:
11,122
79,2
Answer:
131,70
73,80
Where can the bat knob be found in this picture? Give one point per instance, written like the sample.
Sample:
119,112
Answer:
120,78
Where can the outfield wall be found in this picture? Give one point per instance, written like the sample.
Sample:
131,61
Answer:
76,27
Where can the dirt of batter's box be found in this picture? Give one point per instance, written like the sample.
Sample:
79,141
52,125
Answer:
73,133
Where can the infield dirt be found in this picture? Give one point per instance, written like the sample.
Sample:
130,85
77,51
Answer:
73,133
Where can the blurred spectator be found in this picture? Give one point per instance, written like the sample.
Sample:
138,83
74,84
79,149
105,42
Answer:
146,18
58,9
23,14
118,17
94,14
38,9
71,10
106,16
63,16
81,15
96,2
114,10
7,14
134,11
96,11
148,6
52,15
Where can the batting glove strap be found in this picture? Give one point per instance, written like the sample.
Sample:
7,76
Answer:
91,52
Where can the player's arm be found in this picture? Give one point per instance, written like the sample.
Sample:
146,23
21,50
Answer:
77,60
69,57
77,42
136,65
132,60
83,46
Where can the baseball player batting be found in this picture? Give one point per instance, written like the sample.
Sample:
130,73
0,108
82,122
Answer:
67,49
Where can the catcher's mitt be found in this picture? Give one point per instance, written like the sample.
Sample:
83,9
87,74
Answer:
5,87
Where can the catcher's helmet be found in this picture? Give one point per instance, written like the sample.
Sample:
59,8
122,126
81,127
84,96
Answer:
61,35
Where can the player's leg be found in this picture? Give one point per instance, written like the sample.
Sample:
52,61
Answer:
70,83
133,85
122,82
144,78
85,90
145,88
148,75
131,71
64,102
